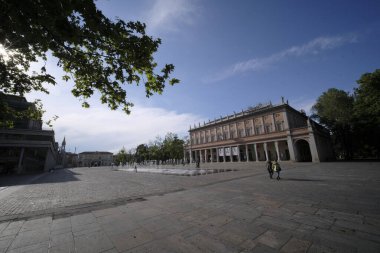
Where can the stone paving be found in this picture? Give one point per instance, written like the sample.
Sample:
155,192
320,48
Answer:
329,207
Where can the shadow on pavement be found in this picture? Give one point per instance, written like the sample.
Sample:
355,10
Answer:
301,179
57,176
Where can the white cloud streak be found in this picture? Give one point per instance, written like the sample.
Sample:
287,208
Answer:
313,47
171,15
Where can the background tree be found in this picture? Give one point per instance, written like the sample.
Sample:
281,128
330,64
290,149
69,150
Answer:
155,149
97,53
334,109
121,157
172,147
142,153
367,115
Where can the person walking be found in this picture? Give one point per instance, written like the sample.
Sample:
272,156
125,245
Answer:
276,168
270,169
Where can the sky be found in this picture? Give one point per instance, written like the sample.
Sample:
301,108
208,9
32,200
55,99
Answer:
229,55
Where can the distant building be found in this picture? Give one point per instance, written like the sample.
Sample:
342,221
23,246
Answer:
26,147
71,160
97,158
265,132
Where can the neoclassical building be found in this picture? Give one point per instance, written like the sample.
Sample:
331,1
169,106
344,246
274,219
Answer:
96,158
261,133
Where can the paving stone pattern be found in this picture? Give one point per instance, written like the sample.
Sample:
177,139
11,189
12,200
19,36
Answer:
329,207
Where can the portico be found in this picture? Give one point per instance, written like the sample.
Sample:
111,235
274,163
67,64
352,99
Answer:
270,132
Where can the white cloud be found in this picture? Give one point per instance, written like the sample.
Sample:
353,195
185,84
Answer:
100,129
171,15
313,47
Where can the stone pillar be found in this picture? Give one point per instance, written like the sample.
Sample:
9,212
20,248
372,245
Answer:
291,148
206,157
191,156
277,151
238,153
312,143
224,155
21,158
246,152
256,156
266,151
231,156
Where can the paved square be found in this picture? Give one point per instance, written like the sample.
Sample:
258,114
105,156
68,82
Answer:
327,207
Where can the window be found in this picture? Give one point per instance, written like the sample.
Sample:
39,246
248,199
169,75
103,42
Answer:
249,131
258,129
280,125
268,128
233,134
241,133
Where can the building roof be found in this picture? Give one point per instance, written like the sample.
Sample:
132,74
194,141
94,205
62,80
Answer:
252,110
96,152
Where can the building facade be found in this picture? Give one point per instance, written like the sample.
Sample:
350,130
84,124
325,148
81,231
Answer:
25,147
96,158
265,132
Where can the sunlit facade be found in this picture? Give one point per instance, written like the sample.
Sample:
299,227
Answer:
261,133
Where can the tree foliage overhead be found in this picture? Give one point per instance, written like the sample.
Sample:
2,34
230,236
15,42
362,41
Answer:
97,53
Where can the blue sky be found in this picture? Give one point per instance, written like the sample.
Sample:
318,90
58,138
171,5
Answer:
228,55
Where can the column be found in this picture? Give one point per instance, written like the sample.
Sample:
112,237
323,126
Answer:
246,152
19,166
291,148
191,156
206,157
277,151
312,143
231,156
274,123
266,151
224,155
238,153
256,156
200,156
